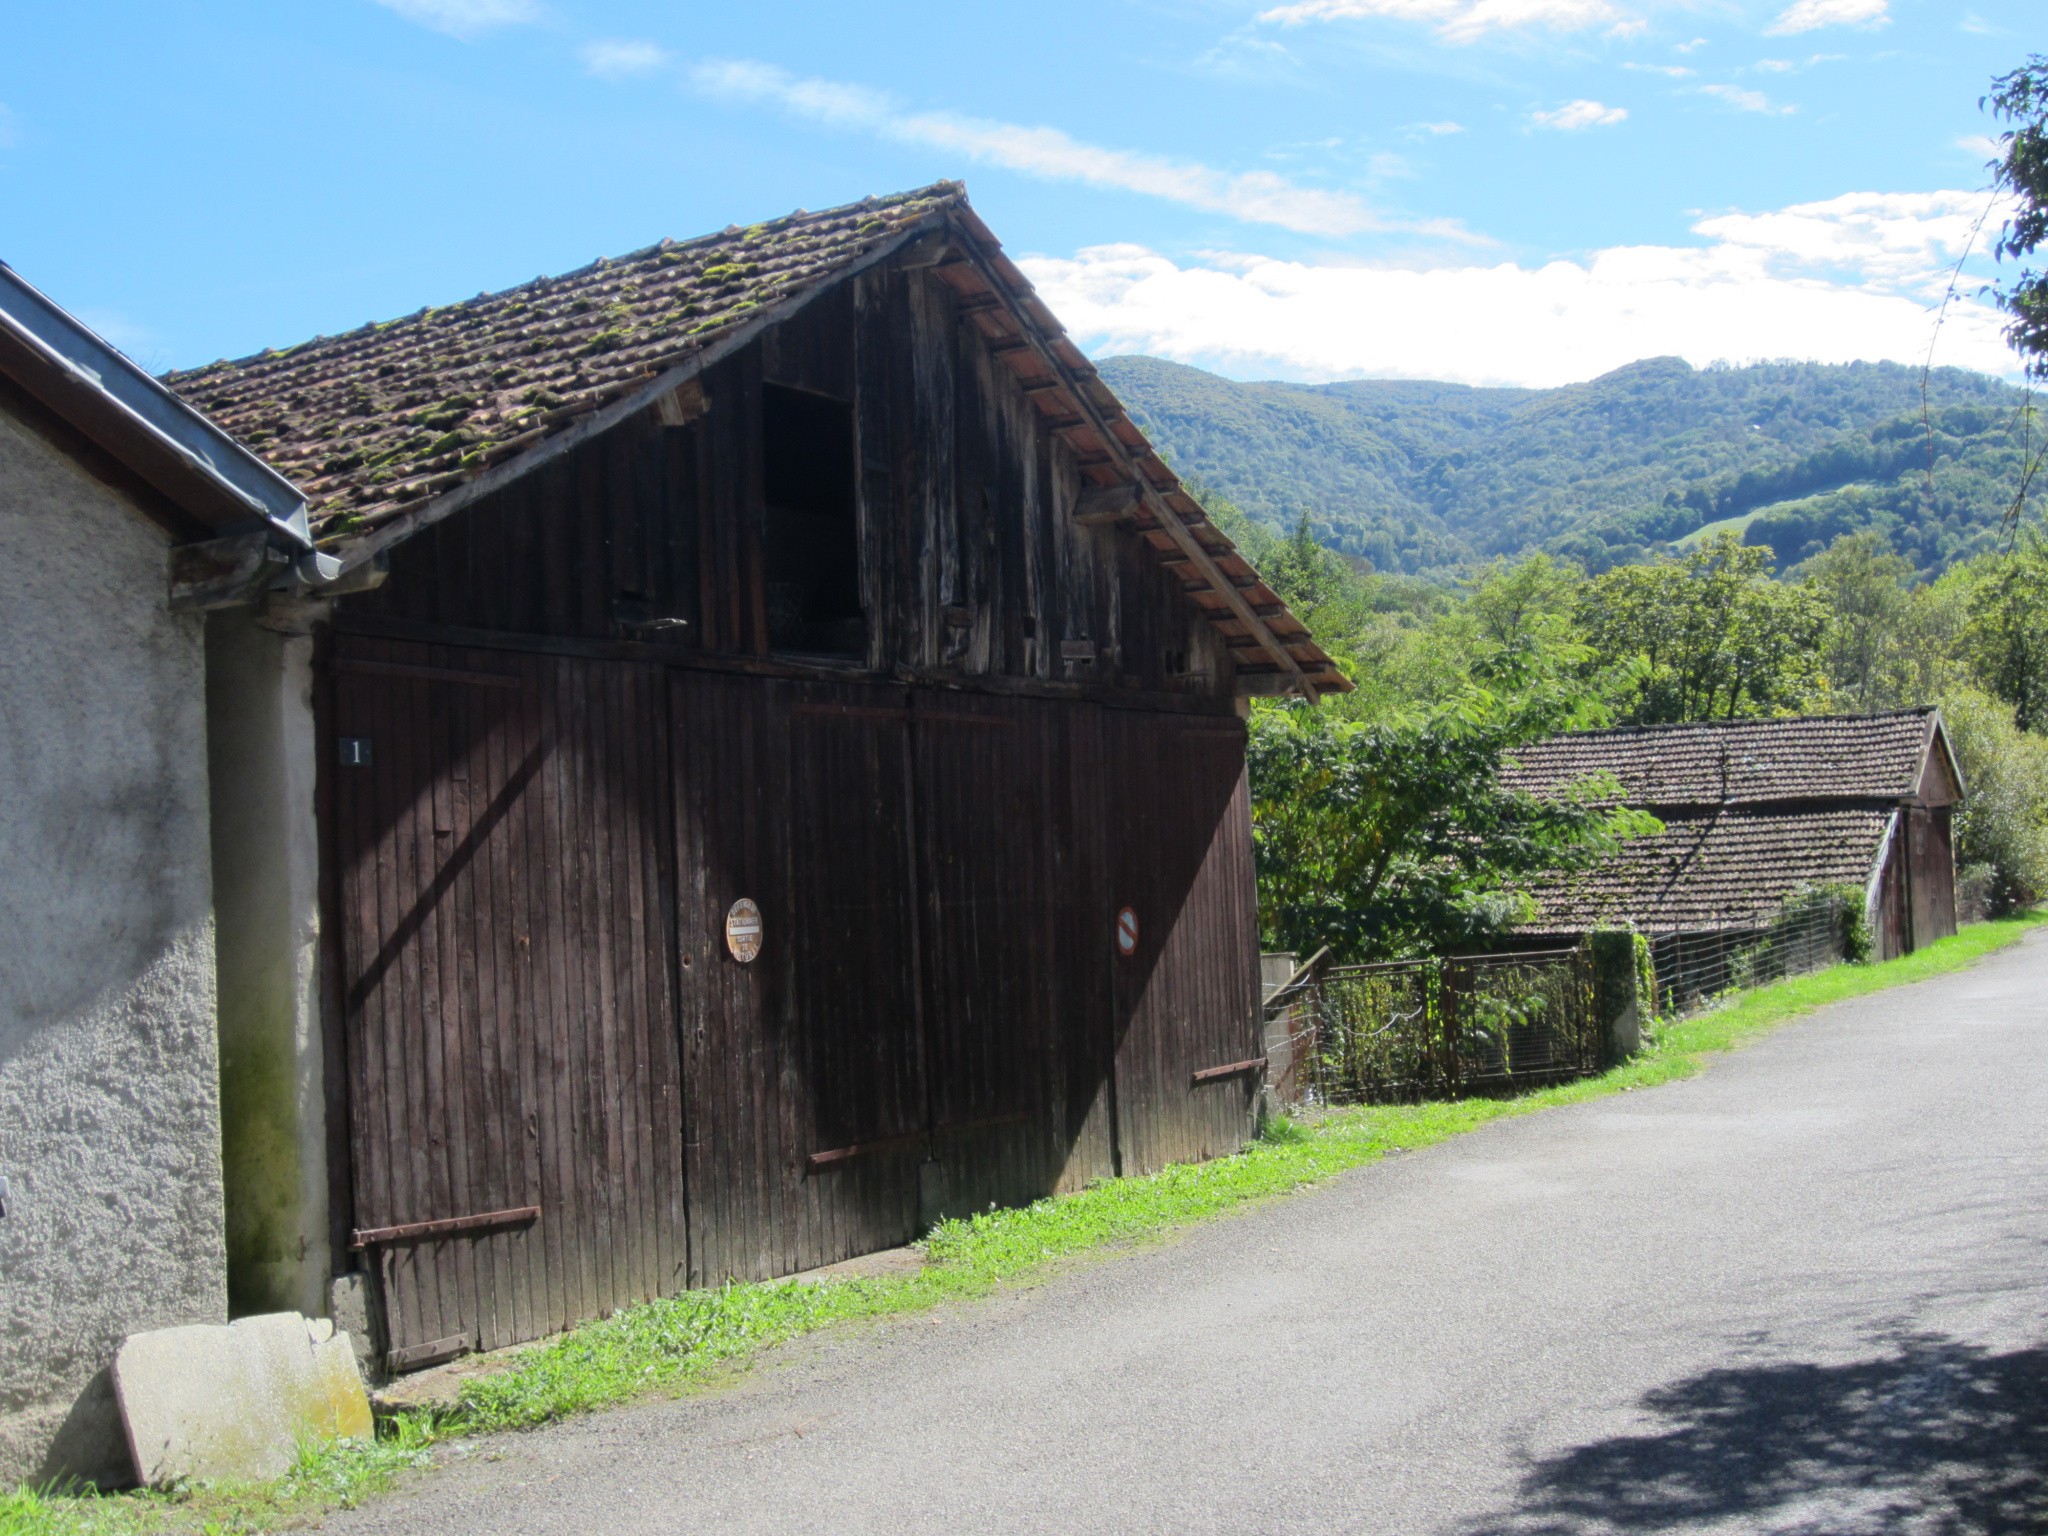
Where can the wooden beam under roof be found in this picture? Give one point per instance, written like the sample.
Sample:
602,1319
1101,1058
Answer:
1117,451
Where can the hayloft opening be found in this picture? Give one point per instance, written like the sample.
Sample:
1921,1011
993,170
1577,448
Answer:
813,529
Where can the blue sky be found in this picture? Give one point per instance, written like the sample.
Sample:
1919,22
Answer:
1494,191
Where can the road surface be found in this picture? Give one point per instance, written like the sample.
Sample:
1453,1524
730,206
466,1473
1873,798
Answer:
1806,1291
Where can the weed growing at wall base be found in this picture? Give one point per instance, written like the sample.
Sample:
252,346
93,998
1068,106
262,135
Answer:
667,1346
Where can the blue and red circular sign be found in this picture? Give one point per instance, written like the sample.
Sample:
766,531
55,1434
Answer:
1127,932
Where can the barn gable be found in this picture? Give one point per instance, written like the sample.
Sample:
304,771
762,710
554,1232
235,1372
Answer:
394,428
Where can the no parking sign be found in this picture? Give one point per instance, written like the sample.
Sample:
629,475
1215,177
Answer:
1127,932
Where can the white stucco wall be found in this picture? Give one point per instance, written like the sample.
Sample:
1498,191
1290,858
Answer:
266,871
109,1088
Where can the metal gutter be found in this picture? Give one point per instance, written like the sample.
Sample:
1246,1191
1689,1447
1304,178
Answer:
130,414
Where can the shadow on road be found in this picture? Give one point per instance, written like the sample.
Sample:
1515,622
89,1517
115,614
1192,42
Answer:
1937,1438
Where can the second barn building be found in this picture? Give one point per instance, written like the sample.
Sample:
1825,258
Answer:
779,766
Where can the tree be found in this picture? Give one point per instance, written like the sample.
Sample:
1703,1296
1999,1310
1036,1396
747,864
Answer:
2020,100
1394,836
1513,601
1864,585
2006,636
2002,824
1713,637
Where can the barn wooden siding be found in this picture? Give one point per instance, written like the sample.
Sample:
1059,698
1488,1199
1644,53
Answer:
1917,890
580,753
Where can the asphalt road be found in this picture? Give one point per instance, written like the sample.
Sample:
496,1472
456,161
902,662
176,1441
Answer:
1804,1292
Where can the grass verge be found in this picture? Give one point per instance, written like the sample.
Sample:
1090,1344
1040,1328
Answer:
667,1346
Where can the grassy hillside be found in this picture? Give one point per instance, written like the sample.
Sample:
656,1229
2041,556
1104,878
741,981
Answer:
1419,477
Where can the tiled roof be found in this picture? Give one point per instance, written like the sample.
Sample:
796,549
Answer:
1735,762
408,416
1729,870
381,418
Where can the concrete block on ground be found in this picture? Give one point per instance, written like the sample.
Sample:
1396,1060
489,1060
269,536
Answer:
352,1302
208,1402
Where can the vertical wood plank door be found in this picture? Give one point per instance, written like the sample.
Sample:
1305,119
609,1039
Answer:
803,1067
985,796
1187,997
502,841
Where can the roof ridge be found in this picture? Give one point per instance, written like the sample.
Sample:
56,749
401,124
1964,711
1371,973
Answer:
936,192
1672,726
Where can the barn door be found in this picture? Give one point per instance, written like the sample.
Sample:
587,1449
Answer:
501,835
986,871
803,1066
1186,966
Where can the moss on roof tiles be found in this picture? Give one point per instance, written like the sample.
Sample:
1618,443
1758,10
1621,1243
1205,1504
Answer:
370,421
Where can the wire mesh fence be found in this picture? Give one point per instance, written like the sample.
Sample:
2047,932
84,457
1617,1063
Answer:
1811,930
1410,1030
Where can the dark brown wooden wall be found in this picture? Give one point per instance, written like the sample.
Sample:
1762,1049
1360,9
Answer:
504,911
971,564
582,755
539,1008
1930,847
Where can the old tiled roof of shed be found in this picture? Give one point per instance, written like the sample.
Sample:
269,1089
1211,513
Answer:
394,424
1735,762
1728,870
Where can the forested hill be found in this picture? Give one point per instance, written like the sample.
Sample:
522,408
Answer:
1423,477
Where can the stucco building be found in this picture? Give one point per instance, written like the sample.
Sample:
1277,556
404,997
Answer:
110,1130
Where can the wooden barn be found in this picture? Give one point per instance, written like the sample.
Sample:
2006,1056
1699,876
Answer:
780,769
1755,811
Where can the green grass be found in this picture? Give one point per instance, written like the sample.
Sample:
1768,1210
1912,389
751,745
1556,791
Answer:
668,1346
1705,531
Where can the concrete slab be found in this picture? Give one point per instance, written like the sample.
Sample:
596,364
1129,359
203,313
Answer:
210,1402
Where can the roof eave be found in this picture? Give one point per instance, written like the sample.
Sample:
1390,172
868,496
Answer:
174,448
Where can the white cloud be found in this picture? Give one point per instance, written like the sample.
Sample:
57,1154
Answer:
465,18
1744,100
1461,21
1906,242
1981,145
1692,47
1855,277
1259,197
1579,114
1807,15
1673,71
1774,66
1438,130
616,58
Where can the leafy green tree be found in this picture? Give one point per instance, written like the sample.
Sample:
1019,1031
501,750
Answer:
1394,836
1517,600
1713,637
1864,585
2020,100
2006,636
2001,827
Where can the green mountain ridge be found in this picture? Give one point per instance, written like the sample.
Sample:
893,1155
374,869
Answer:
1424,478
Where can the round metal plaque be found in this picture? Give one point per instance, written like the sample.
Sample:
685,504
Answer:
1127,932
743,930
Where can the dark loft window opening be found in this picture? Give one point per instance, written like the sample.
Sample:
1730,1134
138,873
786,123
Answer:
813,534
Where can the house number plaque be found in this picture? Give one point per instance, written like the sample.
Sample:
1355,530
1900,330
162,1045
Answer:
743,930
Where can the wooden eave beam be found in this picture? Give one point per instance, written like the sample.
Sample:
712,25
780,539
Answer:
1049,348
